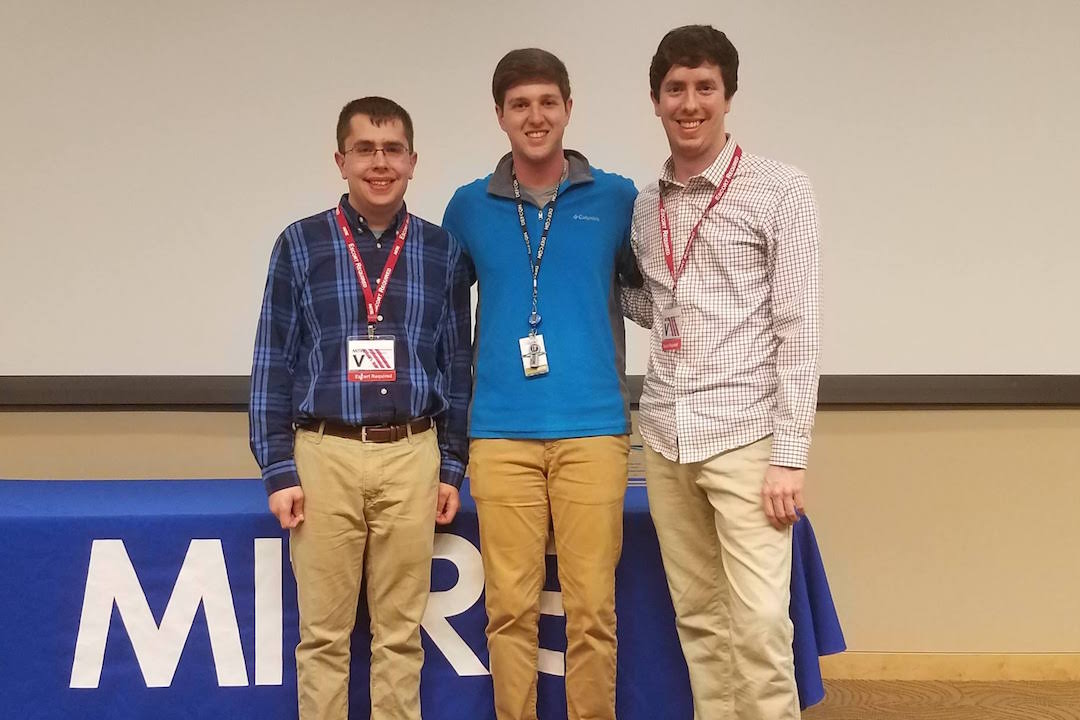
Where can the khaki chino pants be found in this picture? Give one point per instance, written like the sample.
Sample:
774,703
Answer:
369,515
576,487
729,573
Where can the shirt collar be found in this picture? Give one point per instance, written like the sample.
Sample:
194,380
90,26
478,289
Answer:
502,182
712,174
356,220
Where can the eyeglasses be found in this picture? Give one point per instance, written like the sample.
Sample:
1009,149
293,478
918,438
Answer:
391,151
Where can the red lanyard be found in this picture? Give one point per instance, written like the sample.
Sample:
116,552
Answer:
665,226
373,301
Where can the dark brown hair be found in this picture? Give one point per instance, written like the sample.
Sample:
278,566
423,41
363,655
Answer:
692,46
518,67
379,109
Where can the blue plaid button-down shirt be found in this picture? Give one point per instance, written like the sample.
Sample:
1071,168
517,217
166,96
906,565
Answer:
312,305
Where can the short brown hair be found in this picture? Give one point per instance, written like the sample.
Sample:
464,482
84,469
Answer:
692,46
379,109
525,65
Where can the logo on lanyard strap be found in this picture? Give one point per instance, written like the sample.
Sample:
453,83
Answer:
534,266
670,336
372,301
665,226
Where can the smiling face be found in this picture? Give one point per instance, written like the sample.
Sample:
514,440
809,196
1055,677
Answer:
377,163
692,107
534,117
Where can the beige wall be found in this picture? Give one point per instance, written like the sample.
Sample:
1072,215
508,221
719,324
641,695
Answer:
77,445
951,530
942,530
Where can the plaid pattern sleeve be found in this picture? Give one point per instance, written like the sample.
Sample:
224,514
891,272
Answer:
455,364
270,410
795,304
749,307
635,300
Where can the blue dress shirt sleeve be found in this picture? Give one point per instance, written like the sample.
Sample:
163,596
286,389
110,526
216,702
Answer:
455,363
276,342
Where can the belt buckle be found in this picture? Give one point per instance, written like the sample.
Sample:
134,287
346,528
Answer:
364,431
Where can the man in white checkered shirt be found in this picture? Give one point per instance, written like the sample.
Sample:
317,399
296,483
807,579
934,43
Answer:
728,246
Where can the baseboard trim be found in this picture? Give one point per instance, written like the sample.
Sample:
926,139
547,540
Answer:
953,667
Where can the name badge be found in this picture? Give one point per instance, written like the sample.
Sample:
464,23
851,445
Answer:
371,359
671,340
533,355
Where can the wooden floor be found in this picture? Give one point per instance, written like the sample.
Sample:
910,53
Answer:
897,700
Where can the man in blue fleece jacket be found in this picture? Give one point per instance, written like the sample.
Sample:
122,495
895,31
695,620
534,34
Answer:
547,234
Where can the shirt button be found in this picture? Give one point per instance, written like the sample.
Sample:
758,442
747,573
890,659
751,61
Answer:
378,246
383,391
379,318
378,280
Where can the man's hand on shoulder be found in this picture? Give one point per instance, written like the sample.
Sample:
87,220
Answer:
447,505
781,495
287,505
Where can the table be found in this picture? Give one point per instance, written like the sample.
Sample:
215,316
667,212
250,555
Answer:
174,599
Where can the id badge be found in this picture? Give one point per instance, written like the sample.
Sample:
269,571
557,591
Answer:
371,359
671,340
533,355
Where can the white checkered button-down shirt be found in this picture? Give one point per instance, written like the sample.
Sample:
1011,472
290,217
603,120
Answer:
749,297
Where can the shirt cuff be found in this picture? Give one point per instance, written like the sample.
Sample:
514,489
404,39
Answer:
789,451
451,472
280,475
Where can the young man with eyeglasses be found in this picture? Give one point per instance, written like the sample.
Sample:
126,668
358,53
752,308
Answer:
550,417
728,244
359,396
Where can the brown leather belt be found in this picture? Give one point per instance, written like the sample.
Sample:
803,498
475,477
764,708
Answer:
371,433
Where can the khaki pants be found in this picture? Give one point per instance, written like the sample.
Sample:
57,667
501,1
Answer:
576,486
729,573
369,515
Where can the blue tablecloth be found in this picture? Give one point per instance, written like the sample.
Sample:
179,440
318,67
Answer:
174,599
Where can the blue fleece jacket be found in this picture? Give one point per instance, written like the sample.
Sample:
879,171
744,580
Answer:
584,394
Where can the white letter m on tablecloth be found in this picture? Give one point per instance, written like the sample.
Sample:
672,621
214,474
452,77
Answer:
111,578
